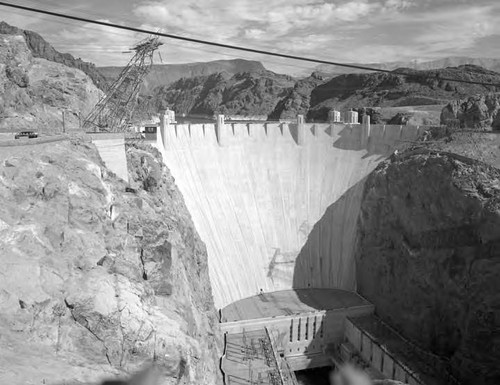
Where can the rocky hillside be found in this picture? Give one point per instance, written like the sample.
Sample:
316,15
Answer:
248,94
99,277
42,49
166,74
478,111
428,256
298,99
281,97
35,91
384,89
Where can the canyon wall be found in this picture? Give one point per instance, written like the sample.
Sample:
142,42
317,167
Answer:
428,257
99,276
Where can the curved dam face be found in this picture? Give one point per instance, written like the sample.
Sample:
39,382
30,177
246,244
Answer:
276,204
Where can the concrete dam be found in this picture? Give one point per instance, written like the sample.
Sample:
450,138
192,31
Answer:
277,205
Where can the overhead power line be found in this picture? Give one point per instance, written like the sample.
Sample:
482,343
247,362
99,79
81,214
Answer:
237,47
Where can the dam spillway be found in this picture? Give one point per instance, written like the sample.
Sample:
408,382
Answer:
276,203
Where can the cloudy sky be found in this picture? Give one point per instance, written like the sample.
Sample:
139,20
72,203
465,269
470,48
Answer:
362,31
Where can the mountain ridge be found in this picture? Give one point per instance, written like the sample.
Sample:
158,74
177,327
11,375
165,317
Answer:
166,74
451,61
281,97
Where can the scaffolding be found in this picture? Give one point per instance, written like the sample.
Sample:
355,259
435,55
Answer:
114,110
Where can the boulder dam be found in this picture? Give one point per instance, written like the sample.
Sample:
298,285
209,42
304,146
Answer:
277,205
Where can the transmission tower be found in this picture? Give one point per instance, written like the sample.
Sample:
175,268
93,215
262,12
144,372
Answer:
114,110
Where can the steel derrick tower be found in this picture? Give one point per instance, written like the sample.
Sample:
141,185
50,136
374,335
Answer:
114,110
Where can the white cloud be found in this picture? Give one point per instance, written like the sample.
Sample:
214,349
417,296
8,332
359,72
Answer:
453,30
337,30
99,44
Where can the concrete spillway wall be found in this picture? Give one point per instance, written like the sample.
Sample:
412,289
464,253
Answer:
276,204
111,148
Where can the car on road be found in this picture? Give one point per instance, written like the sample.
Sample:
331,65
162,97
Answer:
26,134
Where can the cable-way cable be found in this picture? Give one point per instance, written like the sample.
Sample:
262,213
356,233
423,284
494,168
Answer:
239,48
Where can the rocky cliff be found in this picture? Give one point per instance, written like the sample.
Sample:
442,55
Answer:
282,97
247,93
35,91
387,89
298,100
166,74
428,257
99,277
478,111
40,48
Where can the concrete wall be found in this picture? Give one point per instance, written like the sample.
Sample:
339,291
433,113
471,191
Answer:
111,148
276,204
379,356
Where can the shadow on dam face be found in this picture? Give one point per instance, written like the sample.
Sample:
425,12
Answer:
326,259
275,212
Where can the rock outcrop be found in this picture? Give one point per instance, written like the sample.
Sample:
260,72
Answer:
478,111
429,257
392,90
166,74
99,277
282,97
298,101
40,48
245,94
34,92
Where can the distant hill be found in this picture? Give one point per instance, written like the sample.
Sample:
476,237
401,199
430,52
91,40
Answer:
40,48
456,61
283,97
298,100
392,90
244,93
166,74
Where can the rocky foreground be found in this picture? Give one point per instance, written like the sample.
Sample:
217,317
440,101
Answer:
99,277
429,257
